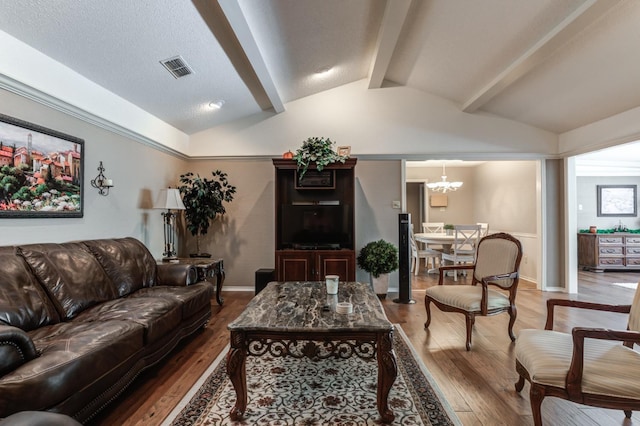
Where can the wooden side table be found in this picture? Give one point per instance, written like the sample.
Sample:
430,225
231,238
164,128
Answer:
207,268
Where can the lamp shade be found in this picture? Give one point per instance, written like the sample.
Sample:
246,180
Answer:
169,199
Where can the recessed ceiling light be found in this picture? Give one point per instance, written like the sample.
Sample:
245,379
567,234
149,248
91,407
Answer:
216,104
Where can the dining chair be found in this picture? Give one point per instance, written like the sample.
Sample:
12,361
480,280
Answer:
591,366
497,262
484,229
433,228
463,249
426,254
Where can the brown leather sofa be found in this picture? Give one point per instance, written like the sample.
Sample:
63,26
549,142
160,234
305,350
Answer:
80,320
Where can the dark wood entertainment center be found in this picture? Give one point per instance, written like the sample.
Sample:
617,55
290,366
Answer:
330,190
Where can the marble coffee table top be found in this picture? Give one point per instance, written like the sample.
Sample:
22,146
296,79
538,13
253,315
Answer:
306,307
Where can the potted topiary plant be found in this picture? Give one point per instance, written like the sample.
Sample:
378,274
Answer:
378,258
448,228
203,201
317,150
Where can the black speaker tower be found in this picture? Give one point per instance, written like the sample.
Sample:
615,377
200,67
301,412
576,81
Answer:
404,259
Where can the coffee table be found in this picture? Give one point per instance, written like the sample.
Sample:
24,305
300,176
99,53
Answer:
298,319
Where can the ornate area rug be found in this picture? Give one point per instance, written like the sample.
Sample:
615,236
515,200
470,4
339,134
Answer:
289,391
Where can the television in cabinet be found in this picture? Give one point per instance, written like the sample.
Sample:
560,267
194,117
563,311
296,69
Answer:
315,221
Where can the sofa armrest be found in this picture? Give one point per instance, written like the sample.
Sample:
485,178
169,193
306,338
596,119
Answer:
16,348
176,274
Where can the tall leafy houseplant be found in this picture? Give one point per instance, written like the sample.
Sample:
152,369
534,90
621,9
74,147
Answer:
317,150
378,258
203,201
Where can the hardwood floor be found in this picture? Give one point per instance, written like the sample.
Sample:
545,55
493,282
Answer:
478,384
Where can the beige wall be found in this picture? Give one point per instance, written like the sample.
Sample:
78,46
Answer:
460,203
138,172
378,184
505,195
244,238
587,198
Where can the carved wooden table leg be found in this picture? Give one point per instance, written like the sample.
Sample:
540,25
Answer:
387,372
219,281
236,369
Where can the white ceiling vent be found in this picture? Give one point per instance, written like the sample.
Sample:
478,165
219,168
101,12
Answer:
177,66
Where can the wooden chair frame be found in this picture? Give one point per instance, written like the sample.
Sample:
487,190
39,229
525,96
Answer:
485,282
573,384
463,249
426,254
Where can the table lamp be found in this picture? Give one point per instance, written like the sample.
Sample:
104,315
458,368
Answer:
169,199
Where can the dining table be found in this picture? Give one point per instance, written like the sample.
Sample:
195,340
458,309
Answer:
440,238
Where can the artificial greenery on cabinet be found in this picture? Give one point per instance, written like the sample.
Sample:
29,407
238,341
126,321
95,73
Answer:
318,150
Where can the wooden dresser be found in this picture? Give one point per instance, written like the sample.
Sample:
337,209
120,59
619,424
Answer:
598,252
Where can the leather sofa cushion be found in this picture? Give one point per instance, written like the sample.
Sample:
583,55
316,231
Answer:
193,298
23,301
72,276
126,261
72,356
158,316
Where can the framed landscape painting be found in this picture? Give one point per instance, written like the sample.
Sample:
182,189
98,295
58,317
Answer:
617,200
41,171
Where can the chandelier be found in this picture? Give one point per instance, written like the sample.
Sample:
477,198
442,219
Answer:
444,186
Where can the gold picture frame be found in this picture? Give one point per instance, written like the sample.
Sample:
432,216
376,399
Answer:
345,151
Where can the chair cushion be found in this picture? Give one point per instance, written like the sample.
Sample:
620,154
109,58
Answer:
459,257
466,297
609,367
38,418
634,315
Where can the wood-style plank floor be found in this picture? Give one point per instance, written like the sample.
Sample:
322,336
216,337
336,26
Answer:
478,384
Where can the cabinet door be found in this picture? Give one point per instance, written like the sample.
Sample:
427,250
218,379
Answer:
295,266
340,263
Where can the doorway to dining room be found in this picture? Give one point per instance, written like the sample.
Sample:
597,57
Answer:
502,193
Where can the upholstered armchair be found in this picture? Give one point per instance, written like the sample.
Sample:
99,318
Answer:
496,265
590,366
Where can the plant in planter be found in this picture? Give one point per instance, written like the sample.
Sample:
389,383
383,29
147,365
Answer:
448,228
317,150
203,201
378,258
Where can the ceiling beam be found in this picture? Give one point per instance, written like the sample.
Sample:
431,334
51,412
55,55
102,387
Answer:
395,14
228,24
580,19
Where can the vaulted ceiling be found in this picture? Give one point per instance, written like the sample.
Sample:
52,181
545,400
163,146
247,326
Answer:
553,64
